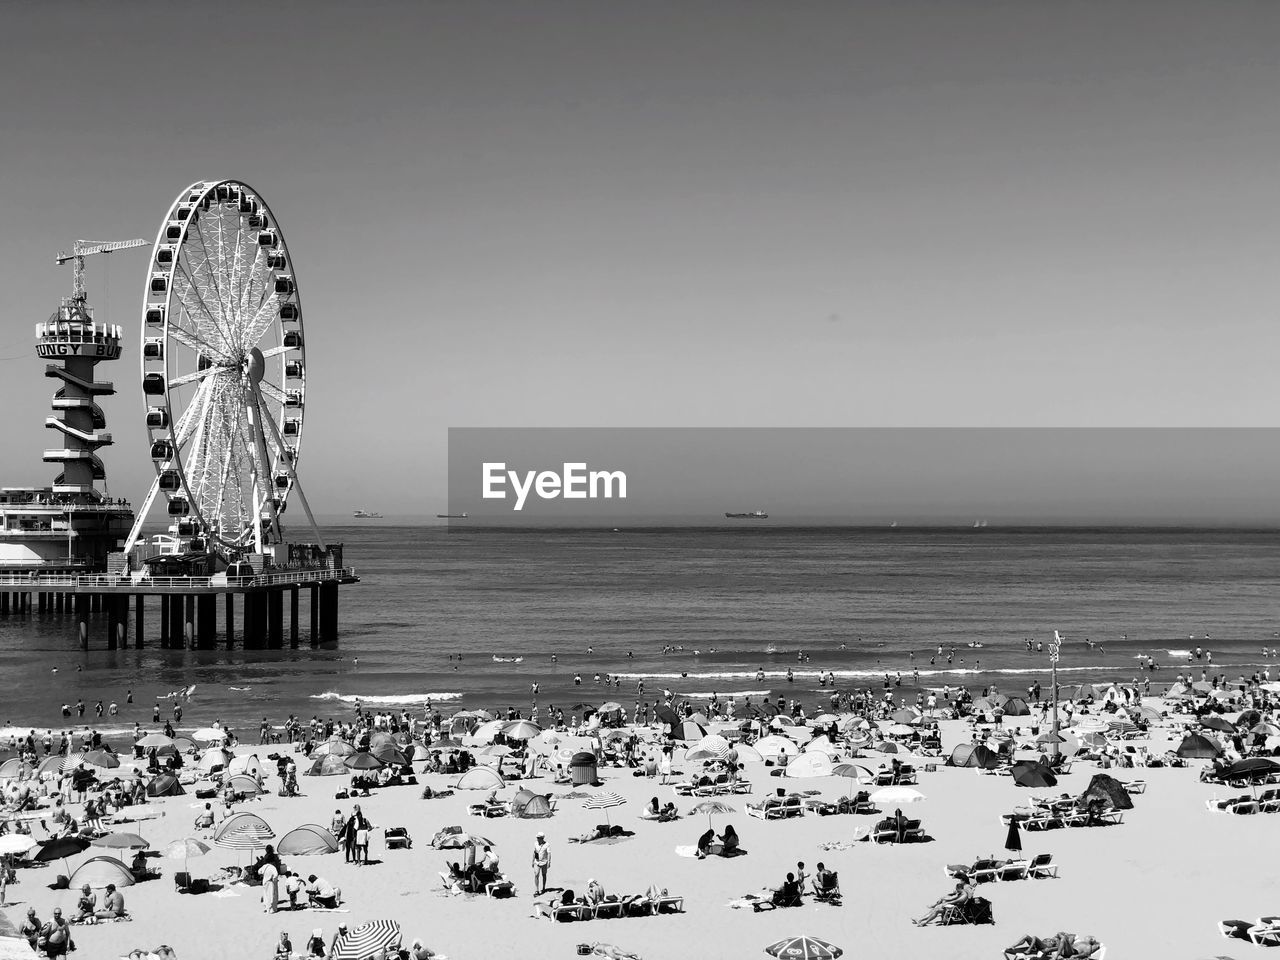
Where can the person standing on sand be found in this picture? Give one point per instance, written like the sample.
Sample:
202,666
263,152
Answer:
541,863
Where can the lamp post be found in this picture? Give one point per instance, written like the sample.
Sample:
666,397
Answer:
1054,649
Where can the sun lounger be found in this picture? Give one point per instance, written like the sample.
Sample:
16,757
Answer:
1042,822
912,831
1042,867
1266,931
1136,786
396,838
670,905
1015,870
563,913
1235,929
742,786
682,789
1112,817
1247,807
985,871
502,887
607,910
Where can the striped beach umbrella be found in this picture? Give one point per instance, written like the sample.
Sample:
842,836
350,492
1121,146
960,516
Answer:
246,836
603,801
364,941
73,760
711,808
521,730
803,948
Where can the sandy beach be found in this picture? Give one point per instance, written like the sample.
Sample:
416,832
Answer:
1155,885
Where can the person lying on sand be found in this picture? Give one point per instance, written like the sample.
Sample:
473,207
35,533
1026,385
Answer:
616,953
1059,945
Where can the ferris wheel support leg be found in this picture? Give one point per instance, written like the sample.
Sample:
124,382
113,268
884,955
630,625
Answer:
142,516
297,484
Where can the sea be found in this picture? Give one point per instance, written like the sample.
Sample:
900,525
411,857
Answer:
455,617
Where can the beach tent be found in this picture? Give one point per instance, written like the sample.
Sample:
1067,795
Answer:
329,765
1016,707
688,730
51,764
14,769
747,753
1198,746
1033,773
97,872
480,778
973,755
487,731
1109,790
814,764
213,760
246,763
822,744
528,805
238,820
332,748
165,785
307,840
245,784
775,746
183,744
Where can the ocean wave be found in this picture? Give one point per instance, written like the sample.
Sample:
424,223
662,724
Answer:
391,698
726,693
801,675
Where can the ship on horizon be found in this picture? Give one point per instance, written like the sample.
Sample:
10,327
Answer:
451,516
366,515
753,515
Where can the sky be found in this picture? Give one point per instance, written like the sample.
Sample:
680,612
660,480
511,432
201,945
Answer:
686,214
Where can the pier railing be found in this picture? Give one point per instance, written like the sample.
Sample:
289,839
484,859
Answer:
36,581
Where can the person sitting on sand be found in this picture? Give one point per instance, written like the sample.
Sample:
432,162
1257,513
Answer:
418,951
284,946
315,946
87,906
112,904
729,842
962,893
704,843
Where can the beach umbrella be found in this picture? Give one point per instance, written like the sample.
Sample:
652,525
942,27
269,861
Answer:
13,843
455,838
609,707
1253,769
447,743
488,730
780,721
246,836
603,801
364,941
1095,740
893,796
154,740
665,714
887,746
209,735
521,730
1013,841
803,948
1265,729
494,750
710,808
853,771
185,849
1202,686
59,848
1198,746
1050,737
900,730
363,761
1217,723
121,841
826,718
905,715
101,759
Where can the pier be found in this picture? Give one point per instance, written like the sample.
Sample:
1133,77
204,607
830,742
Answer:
187,617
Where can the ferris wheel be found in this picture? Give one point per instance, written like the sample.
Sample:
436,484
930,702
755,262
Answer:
223,372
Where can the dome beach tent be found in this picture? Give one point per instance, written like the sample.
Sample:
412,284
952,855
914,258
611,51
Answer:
165,785
814,764
480,778
97,872
245,784
528,805
327,765
246,763
307,840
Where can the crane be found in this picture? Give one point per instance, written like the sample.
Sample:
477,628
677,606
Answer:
86,248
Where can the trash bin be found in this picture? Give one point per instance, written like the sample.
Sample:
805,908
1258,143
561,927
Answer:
582,769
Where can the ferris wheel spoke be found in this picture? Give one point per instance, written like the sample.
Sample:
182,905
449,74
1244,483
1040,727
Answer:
193,340
275,352
192,377
272,391
207,265
192,287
